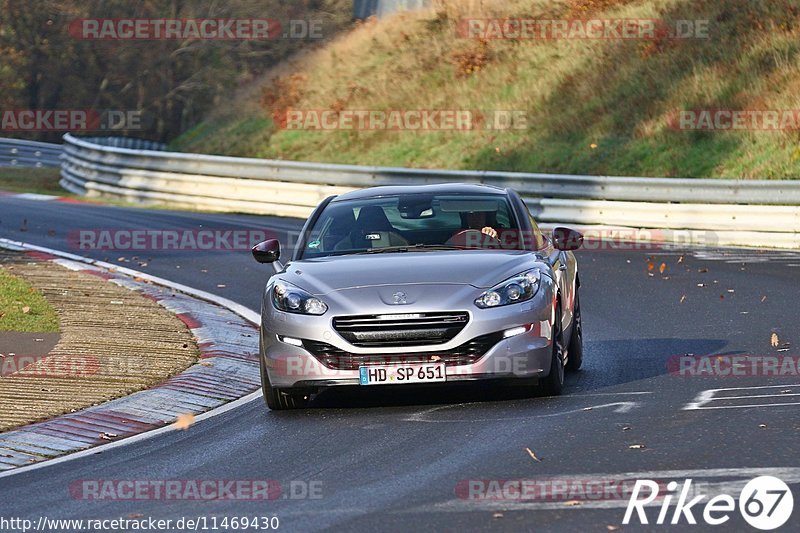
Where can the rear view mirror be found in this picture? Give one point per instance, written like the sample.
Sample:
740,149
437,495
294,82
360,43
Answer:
567,240
267,251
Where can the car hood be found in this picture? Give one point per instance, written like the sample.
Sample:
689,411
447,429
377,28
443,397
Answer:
479,268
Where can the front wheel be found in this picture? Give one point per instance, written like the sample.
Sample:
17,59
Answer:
575,349
278,399
553,384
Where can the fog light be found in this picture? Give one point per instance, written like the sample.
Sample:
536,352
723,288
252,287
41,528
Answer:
513,332
291,340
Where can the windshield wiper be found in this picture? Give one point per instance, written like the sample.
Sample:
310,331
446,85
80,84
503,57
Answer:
412,248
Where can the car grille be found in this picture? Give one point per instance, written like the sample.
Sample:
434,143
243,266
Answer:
399,330
466,354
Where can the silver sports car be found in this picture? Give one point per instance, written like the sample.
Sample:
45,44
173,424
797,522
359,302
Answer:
405,285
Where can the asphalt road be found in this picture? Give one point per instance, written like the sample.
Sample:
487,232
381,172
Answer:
394,459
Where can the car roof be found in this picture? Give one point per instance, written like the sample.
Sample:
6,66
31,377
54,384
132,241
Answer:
440,188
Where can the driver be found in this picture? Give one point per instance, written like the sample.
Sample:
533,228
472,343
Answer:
477,220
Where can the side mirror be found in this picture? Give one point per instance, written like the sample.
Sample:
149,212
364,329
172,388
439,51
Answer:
567,240
267,251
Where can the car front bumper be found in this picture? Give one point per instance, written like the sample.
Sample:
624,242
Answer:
525,355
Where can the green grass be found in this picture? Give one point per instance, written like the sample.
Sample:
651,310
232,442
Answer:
593,106
35,180
17,296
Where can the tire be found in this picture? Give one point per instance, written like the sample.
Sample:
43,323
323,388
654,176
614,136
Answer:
553,384
575,348
278,399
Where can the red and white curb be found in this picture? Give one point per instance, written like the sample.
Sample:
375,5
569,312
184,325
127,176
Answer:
226,334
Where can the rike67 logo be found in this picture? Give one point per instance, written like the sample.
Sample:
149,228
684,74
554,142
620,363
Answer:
765,503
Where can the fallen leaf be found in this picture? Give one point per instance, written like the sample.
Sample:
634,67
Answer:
680,260
763,298
108,436
731,291
533,455
700,285
572,503
683,298
184,422
626,428
702,270
611,528
650,267
636,446
762,426
497,515
26,310
593,146
774,339
221,286
662,268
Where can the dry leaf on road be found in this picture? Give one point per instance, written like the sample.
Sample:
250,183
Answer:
774,340
184,422
533,455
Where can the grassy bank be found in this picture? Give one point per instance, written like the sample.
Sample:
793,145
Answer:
593,106
35,180
22,308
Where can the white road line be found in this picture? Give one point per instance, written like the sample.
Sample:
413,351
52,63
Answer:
621,407
745,406
756,396
37,197
707,396
244,312
134,439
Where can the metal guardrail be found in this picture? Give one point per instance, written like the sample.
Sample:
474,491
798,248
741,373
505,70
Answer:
743,212
22,153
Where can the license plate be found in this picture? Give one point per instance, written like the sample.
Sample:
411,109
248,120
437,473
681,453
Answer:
402,374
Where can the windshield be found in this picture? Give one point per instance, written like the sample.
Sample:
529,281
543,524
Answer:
415,222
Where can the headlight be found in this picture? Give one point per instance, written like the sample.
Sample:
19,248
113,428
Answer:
287,297
520,288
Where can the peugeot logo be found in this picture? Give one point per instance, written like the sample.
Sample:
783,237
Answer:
399,298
